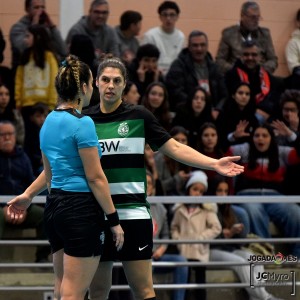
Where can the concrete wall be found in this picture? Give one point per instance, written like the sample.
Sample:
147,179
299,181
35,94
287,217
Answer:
210,16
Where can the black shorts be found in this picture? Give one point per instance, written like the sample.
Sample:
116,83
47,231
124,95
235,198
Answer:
138,241
74,222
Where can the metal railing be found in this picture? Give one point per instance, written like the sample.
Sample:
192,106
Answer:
167,200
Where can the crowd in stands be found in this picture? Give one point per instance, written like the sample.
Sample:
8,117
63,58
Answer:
229,104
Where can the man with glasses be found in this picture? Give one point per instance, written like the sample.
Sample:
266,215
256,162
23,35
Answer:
94,26
247,30
15,175
265,88
167,38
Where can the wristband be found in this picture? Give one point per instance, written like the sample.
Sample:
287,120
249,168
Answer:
113,219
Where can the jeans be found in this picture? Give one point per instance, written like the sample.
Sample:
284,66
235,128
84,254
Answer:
242,217
286,217
180,274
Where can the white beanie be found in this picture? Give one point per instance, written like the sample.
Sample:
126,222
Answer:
197,177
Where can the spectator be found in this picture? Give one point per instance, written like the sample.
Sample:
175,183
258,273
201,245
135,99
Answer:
287,126
237,118
156,100
209,145
248,30
196,222
35,75
265,168
37,116
292,54
144,70
194,67
265,88
82,46
195,112
172,174
160,251
8,113
130,26
131,94
94,26
36,14
15,175
6,74
287,129
167,38
292,50
233,227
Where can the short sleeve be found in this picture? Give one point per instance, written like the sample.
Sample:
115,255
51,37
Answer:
86,133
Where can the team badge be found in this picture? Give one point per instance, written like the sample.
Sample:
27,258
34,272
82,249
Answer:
123,129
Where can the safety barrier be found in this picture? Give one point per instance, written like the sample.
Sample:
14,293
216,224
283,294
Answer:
166,200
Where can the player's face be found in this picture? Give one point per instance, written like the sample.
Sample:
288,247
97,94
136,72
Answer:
111,84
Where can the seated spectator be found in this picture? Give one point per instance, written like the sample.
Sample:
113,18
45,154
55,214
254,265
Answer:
130,27
8,113
172,174
130,93
247,30
265,88
167,38
194,67
144,68
237,118
209,145
196,222
82,46
292,50
156,100
287,130
35,75
265,168
160,253
36,15
195,112
15,175
94,25
233,227
6,74
37,116
151,167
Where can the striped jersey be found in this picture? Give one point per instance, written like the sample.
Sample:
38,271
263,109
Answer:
122,137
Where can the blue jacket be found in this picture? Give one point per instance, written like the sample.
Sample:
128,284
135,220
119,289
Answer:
15,172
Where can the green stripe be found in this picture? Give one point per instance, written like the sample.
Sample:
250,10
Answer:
112,130
125,175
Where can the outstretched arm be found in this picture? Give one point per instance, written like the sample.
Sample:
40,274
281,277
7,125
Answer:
189,156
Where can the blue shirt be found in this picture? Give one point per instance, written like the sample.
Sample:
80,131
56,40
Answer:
64,132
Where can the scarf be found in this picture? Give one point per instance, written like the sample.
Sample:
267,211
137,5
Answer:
264,83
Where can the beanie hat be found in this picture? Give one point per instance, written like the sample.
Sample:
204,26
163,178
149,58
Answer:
197,177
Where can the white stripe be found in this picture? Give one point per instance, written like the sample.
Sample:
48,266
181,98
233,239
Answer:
133,213
127,188
122,146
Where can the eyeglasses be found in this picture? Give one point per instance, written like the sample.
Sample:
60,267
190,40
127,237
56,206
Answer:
101,12
247,54
253,17
3,134
166,15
